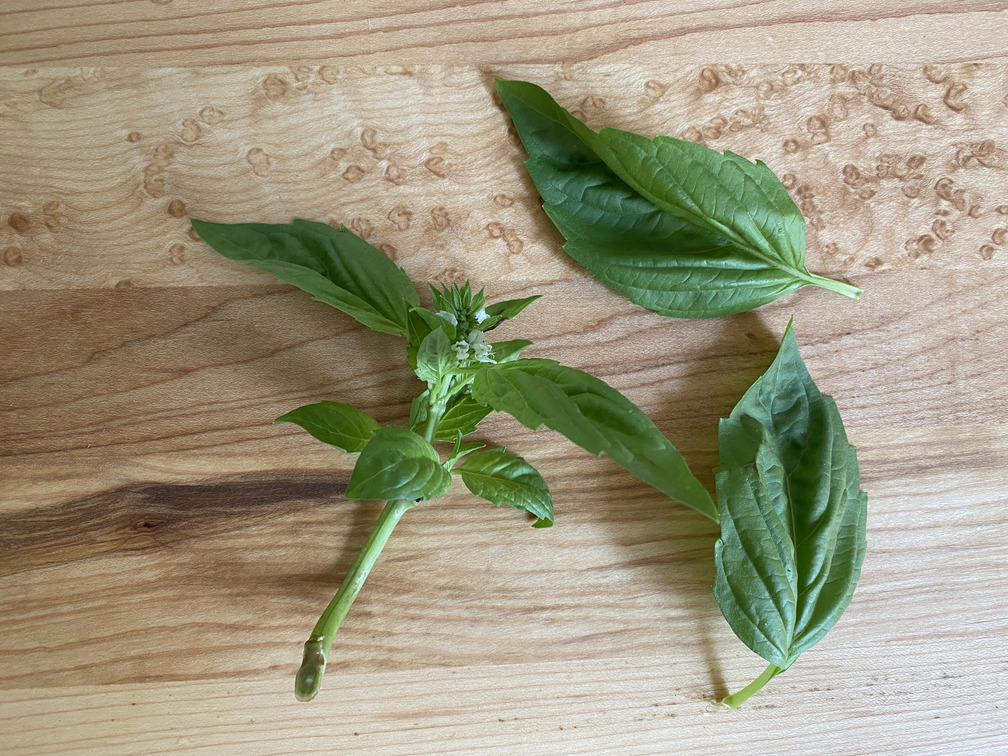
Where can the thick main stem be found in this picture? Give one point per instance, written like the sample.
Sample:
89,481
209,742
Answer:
737,699
316,649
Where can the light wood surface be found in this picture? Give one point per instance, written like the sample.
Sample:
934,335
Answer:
165,549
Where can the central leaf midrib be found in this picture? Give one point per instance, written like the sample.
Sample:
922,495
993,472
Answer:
713,225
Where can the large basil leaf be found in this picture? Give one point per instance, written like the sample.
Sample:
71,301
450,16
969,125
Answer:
792,513
504,478
398,464
336,267
593,415
335,423
677,227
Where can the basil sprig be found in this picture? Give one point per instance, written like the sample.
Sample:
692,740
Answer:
466,377
792,516
679,228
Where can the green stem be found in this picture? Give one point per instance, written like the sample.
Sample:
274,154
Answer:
316,649
848,290
737,699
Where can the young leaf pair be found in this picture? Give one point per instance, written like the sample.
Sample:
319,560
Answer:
466,378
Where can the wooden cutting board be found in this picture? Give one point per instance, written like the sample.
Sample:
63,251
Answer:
165,549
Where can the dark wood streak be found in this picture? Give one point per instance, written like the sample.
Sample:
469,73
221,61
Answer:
149,517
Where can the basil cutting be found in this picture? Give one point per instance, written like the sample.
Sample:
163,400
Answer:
679,228
465,378
792,516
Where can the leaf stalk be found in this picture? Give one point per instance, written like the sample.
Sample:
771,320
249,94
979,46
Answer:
737,699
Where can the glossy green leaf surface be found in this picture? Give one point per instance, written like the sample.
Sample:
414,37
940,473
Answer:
504,478
679,228
594,416
792,513
334,423
462,416
398,464
435,357
335,266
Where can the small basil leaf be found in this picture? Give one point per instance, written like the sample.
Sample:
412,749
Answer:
435,357
462,416
508,351
398,464
504,478
418,410
677,227
422,321
594,416
509,308
336,267
792,513
334,423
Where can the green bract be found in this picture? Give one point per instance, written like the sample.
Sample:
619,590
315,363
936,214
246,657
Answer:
792,515
465,377
679,228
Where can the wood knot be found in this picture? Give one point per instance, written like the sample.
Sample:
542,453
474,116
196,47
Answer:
274,87
708,80
438,166
19,222
400,217
439,217
353,174
12,257
362,227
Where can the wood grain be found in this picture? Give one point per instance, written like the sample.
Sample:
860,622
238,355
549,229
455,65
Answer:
163,32
165,548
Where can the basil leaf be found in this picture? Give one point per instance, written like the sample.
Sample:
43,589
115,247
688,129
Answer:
504,478
677,227
594,416
508,351
792,513
509,308
461,417
336,267
334,423
398,464
435,357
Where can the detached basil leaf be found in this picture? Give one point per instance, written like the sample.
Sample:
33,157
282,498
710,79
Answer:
594,416
336,267
792,513
334,423
398,464
677,227
504,478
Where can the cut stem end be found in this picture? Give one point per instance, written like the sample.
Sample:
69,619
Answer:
309,676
